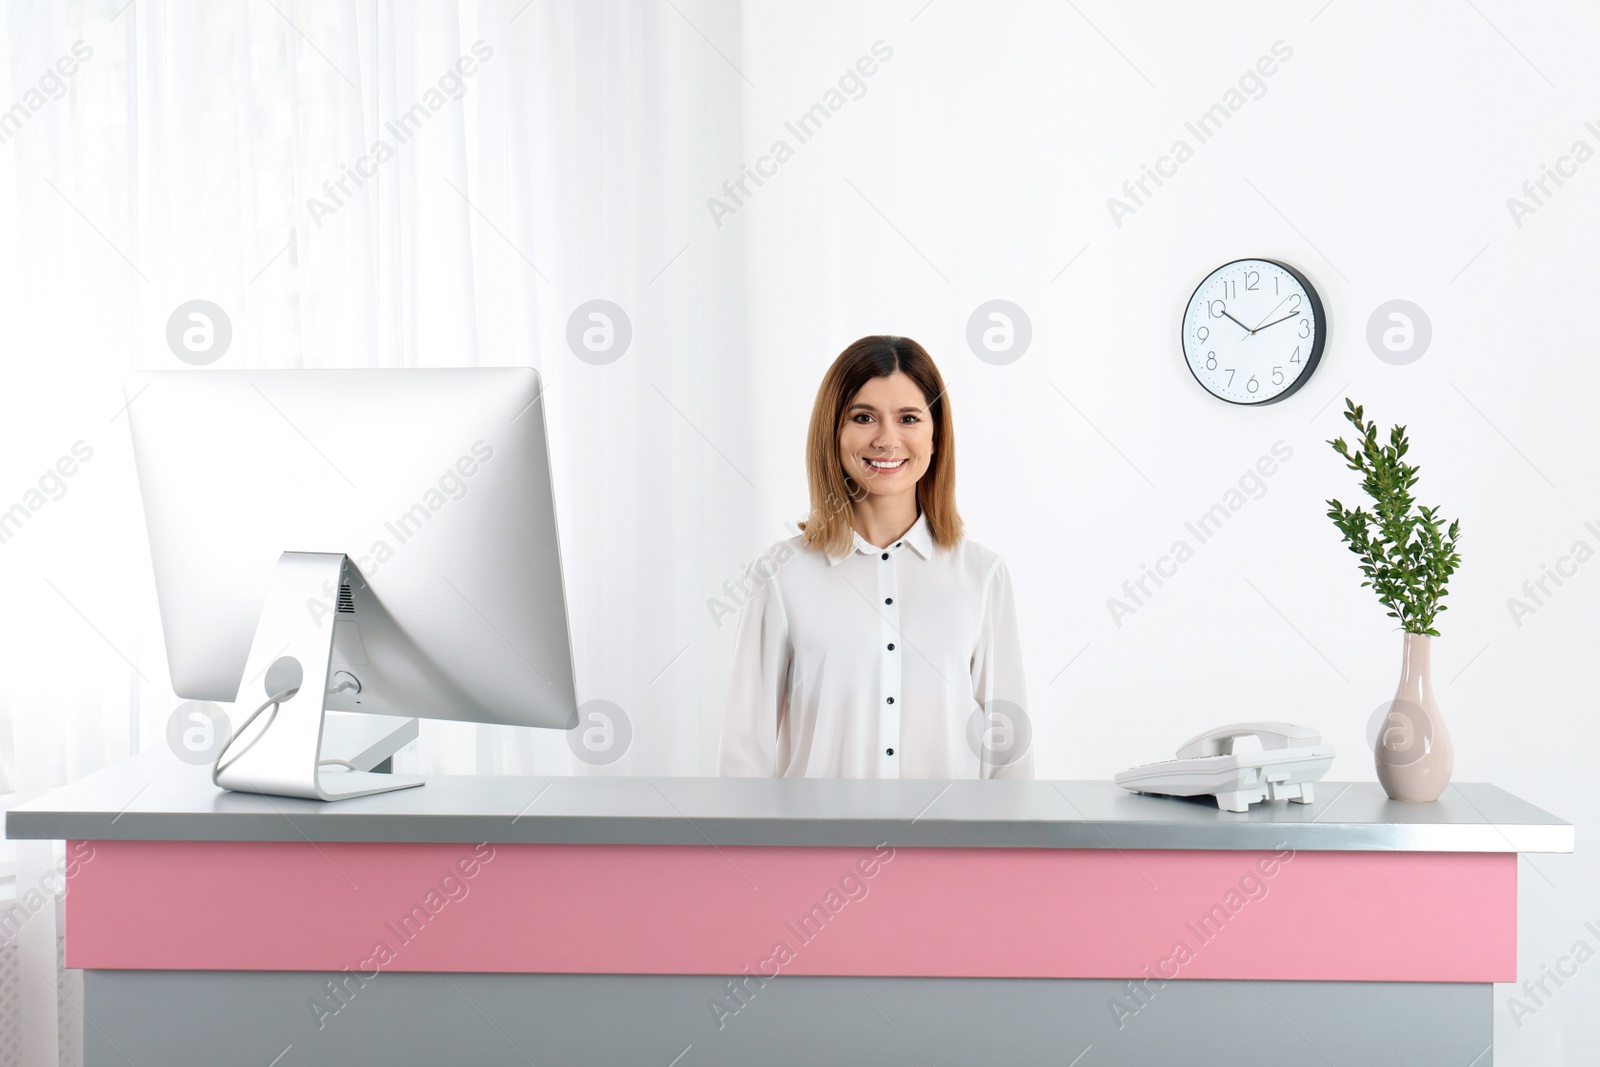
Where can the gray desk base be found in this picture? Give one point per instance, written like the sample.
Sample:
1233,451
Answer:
252,1019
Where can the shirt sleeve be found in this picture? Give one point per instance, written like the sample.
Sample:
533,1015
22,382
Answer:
998,683
758,686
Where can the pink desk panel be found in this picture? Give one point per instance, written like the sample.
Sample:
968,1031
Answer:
687,909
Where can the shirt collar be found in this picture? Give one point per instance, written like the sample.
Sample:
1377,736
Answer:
918,537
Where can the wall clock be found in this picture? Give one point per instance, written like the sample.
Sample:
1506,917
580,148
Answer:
1253,331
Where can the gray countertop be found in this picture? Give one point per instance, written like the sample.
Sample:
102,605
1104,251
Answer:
155,797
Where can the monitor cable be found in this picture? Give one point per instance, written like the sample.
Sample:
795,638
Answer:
223,763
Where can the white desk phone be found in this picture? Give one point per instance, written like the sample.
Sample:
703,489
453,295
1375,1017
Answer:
1239,764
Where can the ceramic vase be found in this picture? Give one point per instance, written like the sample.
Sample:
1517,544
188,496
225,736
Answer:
1413,750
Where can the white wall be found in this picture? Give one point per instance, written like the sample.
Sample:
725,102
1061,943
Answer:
1379,161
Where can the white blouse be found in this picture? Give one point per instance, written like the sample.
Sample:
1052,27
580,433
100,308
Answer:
897,662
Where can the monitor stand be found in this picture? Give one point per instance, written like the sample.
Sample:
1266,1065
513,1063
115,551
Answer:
280,753
368,741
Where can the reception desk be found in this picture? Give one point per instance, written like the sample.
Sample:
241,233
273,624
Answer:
691,921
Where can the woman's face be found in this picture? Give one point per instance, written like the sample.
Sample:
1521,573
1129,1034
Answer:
887,439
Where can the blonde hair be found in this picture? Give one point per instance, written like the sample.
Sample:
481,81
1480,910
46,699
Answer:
828,527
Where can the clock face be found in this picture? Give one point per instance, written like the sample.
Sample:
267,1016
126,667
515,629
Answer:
1253,331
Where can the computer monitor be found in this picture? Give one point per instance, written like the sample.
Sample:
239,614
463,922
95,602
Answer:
379,541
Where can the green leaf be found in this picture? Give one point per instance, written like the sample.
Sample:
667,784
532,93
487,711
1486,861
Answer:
1404,557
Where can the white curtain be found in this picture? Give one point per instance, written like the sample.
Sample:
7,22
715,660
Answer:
270,156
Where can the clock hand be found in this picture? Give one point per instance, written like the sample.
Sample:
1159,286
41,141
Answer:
1275,322
1274,310
1242,326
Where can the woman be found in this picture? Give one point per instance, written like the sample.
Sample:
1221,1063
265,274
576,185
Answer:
879,643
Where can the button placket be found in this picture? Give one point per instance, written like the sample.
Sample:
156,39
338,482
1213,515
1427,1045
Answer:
891,649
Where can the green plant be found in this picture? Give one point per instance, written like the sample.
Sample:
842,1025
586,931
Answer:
1408,561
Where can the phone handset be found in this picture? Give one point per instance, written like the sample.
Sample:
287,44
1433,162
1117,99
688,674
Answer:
1249,737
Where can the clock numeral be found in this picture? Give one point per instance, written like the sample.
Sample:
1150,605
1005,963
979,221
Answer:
1216,308
1230,289
1211,361
1305,327
1202,333
1277,374
1230,376
1274,286
1294,309
1252,280
1296,357
1252,385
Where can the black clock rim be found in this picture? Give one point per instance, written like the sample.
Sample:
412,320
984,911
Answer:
1316,347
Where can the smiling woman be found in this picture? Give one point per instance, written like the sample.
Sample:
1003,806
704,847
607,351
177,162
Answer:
880,419
886,644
